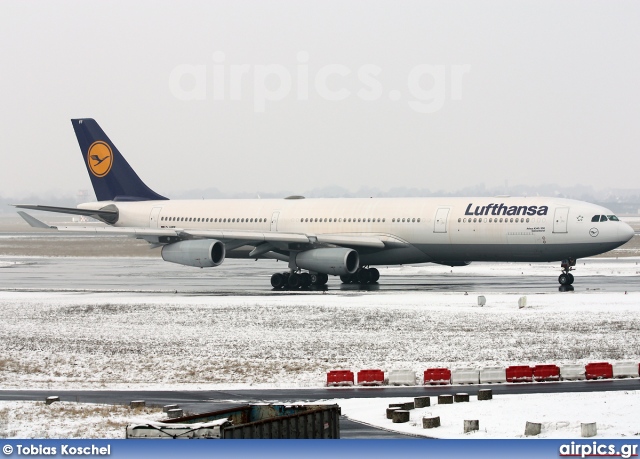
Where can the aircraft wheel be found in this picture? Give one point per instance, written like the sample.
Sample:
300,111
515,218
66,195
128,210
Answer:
345,278
324,278
294,281
563,279
570,278
375,275
277,281
305,279
363,276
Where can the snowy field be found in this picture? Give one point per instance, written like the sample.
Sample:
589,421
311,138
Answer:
616,414
70,420
123,340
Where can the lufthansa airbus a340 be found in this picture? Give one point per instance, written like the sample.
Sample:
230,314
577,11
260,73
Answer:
340,237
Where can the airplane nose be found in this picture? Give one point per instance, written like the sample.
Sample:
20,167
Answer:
625,232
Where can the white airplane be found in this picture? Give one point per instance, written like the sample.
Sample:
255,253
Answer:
340,237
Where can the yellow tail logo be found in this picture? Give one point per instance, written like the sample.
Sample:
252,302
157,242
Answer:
99,158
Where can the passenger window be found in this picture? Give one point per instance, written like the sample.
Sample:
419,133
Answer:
418,220
596,218
603,218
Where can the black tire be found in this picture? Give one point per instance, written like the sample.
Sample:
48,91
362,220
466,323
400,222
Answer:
306,279
571,279
277,280
294,281
563,279
324,278
375,275
345,278
363,276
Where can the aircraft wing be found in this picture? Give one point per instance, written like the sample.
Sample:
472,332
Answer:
249,237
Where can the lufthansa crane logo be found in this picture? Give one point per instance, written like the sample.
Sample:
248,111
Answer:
99,158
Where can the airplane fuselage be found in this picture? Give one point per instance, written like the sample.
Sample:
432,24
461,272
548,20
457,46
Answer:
416,230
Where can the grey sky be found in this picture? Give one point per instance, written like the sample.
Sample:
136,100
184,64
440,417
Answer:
551,93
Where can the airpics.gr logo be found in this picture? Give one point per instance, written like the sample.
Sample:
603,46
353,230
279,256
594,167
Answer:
99,158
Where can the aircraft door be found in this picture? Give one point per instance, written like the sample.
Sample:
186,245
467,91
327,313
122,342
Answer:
274,221
154,217
560,220
440,222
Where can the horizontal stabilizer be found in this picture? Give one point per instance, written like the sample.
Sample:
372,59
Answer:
34,222
107,215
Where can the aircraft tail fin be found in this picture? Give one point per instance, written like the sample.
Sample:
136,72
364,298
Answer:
111,176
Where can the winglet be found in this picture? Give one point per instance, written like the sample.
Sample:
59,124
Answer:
34,222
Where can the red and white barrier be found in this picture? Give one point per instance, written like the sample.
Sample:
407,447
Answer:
402,378
625,370
599,370
340,378
493,375
511,374
370,378
465,376
437,376
572,372
546,373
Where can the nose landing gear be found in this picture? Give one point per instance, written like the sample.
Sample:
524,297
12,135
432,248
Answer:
566,278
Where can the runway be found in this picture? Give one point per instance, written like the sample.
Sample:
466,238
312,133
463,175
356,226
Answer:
247,277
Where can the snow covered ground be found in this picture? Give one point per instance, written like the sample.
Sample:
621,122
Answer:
70,420
616,414
123,340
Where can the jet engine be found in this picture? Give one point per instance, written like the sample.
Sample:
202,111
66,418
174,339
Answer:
336,261
201,253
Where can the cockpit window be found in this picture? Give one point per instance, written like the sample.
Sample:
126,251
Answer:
603,218
613,218
596,218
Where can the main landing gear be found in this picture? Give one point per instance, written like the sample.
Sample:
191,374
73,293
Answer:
566,278
294,280
361,276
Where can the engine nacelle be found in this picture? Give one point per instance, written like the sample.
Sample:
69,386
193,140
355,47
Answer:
336,261
201,253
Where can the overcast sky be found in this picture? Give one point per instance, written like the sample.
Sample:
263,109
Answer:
439,95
